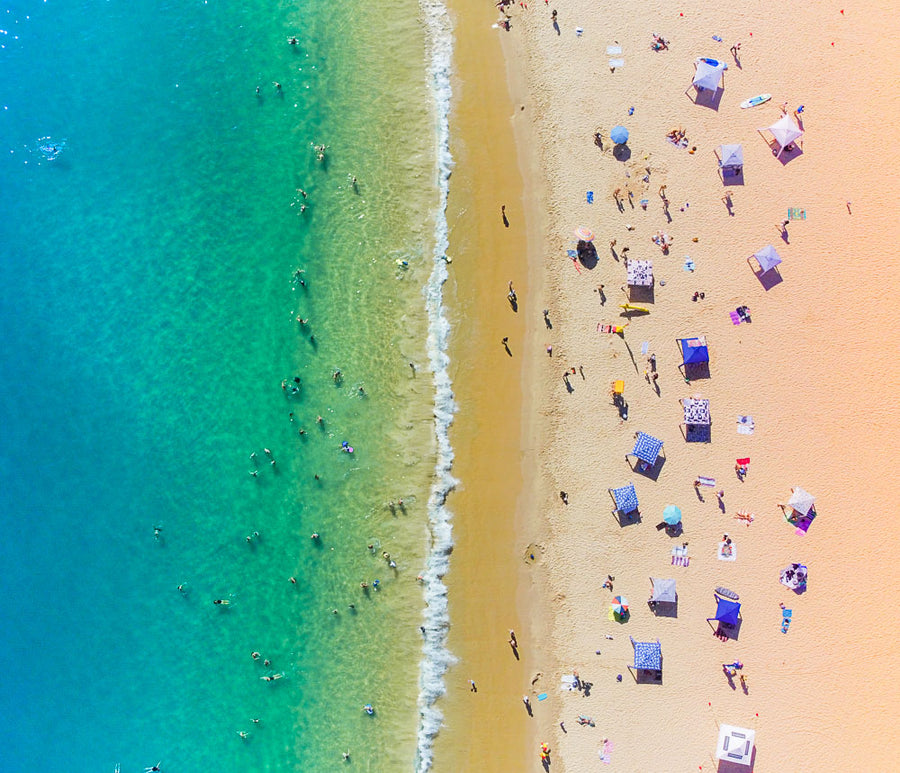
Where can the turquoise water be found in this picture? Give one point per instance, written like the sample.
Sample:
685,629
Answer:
148,321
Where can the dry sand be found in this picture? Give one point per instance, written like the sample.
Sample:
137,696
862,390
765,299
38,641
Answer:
816,369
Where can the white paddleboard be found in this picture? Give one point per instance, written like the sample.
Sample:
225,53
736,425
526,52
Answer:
754,101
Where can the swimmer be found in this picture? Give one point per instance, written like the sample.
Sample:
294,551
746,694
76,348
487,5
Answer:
292,580
314,535
346,755
222,602
255,721
267,662
293,41
156,531
243,734
254,655
181,588
254,473
277,85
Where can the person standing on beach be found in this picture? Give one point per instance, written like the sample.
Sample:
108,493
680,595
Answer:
503,215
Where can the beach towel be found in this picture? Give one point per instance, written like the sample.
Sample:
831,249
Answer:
727,551
606,752
786,619
680,556
616,62
613,50
706,481
590,197
688,263
735,317
645,347
567,682
745,425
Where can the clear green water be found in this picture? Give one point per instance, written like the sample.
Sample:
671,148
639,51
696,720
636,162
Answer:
149,319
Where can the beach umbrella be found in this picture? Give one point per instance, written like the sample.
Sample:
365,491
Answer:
584,234
619,605
672,515
619,135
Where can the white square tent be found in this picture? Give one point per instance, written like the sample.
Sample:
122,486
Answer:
640,273
708,76
731,160
736,745
767,258
784,131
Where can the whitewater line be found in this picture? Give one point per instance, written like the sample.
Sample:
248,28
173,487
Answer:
436,658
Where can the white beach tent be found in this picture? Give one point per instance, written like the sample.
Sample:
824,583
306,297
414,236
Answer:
784,131
736,744
708,76
767,258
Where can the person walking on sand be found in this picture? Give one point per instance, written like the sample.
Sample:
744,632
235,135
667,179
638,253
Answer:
503,215
512,639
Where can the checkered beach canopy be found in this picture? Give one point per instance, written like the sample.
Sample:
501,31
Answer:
625,498
640,273
696,411
647,655
647,448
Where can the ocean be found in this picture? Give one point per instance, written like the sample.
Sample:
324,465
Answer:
167,221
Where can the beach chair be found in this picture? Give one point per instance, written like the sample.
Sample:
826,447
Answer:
617,388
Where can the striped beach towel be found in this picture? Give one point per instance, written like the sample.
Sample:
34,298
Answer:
606,752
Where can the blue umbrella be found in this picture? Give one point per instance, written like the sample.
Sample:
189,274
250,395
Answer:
672,515
619,135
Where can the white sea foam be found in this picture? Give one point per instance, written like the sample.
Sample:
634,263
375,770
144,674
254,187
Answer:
436,657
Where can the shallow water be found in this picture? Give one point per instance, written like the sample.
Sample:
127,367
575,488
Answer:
149,319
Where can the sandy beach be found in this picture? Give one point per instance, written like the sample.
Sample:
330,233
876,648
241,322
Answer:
814,368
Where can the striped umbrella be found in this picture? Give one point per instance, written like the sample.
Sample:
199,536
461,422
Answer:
584,234
620,605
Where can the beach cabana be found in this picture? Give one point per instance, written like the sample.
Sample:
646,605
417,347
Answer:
728,612
625,499
646,449
707,76
694,350
783,133
647,658
800,510
801,501
640,273
735,745
662,592
731,160
697,420
766,259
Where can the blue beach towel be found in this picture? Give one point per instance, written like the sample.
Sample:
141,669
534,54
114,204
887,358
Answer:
590,197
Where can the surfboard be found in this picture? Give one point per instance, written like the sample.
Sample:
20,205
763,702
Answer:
754,101
630,307
714,62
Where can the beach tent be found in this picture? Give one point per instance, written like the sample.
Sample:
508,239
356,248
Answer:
767,258
784,131
727,611
625,498
801,502
696,411
708,76
647,655
735,745
663,591
794,577
640,273
647,448
731,160
694,350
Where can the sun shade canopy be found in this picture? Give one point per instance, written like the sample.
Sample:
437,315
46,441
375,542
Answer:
694,350
767,258
647,655
735,744
727,611
696,411
801,501
625,498
663,590
640,273
708,76
731,156
647,448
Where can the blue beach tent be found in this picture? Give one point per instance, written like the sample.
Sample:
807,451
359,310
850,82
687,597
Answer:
625,498
647,448
727,611
694,350
647,655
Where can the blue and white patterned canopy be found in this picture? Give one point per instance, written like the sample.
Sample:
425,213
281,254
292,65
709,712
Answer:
647,448
647,655
626,498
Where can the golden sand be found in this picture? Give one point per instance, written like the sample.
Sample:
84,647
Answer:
816,369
